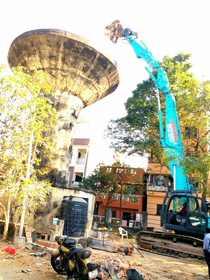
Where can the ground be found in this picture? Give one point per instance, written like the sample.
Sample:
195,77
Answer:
24,266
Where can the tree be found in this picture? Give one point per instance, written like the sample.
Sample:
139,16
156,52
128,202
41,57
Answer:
23,110
139,129
107,184
104,184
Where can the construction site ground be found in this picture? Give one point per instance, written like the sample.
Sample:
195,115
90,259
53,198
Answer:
25,266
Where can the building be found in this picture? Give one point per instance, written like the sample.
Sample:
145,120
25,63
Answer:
78,161
159,181
129,205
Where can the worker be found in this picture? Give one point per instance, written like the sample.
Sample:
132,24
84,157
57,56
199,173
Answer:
206,247
183,211
180,213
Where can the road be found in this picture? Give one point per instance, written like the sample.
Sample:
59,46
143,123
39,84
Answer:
22,265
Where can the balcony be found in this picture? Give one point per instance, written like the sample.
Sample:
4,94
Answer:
158,188
80,161
133,198
159,183
76,184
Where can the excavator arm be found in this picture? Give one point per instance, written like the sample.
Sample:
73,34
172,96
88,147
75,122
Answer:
170,138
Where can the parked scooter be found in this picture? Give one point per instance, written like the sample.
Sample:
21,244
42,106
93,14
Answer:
73,261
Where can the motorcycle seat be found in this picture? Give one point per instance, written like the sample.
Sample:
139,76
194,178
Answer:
81,252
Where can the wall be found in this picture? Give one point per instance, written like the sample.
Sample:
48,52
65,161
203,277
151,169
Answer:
44,217
127,206
155,197
153,219
156,168
128,177
79,145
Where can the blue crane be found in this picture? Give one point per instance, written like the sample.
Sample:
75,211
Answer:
171,139
188,227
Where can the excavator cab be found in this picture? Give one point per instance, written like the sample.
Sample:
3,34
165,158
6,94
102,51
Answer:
190,219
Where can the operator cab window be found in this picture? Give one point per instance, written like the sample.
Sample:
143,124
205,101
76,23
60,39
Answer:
196,207
173,216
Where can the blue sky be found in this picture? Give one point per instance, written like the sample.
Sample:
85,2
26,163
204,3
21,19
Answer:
166,27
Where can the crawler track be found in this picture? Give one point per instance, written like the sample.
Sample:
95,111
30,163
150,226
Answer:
170,244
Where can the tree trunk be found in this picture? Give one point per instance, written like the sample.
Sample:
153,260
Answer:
7,215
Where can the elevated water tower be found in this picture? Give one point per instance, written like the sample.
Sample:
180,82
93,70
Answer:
79,73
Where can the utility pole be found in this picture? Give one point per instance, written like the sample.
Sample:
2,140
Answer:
122,166
121,189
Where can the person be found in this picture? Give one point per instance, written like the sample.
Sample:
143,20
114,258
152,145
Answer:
180,213
206,247
183,211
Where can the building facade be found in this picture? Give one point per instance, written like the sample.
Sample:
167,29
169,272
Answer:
159,179
128,206
78,161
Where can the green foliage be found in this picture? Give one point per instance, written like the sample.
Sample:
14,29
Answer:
139,129
199,166
24,111
100,181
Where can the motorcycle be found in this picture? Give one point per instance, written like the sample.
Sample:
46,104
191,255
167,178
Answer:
73,261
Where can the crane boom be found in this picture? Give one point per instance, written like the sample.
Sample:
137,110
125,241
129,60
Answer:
170,139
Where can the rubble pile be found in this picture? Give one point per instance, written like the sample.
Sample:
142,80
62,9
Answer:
117,267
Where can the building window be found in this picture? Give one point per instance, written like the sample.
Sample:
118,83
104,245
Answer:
113,214
119,170
108,169
68,177
133,171
190,132
159,209
78,179
81,156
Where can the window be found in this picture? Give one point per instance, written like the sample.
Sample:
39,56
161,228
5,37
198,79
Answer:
129,190
196,205
133,171
119,170
81,156
190,132
113,214
68,177
78,178
159,209
108,169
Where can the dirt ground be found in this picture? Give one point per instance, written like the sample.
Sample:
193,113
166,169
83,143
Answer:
23,266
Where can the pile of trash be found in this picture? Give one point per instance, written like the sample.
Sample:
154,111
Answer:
117,267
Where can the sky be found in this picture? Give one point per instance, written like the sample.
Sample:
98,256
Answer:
165,26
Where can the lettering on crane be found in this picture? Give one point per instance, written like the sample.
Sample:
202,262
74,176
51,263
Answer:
172,131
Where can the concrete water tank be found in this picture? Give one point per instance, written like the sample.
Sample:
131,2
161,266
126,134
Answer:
79,72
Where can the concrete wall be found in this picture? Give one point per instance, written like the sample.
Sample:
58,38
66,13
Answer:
127,206
44,217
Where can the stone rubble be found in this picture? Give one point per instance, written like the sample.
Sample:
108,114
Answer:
116,267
